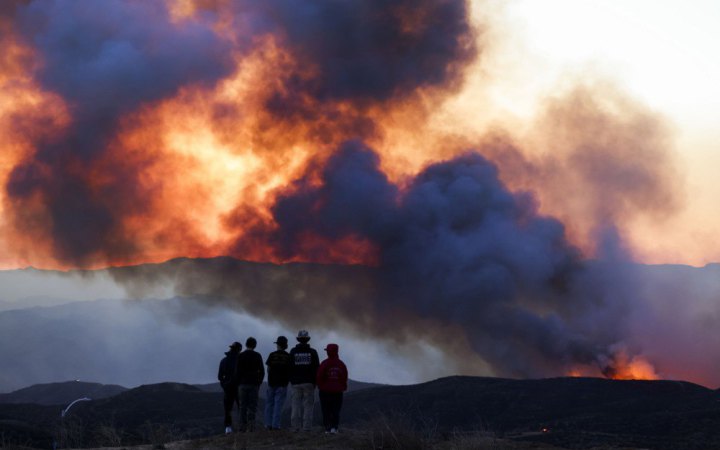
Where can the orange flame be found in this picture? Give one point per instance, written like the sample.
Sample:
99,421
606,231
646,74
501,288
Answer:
631,368
215,161
620,366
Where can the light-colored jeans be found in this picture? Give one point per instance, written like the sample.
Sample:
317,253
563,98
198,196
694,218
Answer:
303,401
274,405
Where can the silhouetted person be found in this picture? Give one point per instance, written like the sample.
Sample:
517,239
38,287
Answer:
332,379
279,364
250,374
228,381
305,363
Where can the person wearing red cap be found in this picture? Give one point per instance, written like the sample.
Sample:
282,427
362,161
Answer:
332,376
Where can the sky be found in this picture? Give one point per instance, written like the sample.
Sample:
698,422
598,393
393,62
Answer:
656,57
488,169
661,53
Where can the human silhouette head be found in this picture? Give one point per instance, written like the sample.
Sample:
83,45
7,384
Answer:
250,343
303,336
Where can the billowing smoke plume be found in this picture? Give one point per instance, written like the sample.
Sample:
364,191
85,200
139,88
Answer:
105,60
370,51
255,129
454,248
109,61
614,152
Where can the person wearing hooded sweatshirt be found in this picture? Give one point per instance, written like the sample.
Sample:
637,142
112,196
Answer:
278,370
332,377
228,381
250,374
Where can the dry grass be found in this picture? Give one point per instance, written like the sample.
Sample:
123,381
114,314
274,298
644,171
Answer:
383,432
388,433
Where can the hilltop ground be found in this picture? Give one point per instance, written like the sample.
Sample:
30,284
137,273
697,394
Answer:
378,436
449,413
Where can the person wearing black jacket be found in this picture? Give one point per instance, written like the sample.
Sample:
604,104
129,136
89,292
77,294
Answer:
279,364
228,381
305,363
250,373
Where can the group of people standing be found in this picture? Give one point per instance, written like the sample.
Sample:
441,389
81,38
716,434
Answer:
242,372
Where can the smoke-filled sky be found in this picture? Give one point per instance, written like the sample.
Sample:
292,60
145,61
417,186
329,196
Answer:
138,132
493,167
663,55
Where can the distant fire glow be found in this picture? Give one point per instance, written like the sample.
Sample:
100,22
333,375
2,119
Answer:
620,366
630,368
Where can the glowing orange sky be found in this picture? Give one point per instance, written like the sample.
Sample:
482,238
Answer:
214,174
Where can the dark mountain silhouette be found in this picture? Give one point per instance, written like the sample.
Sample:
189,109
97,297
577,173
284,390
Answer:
575,412
61,393
65,392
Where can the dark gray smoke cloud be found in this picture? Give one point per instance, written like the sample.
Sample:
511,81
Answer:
457,246
105,59
370,50
8,7
461,258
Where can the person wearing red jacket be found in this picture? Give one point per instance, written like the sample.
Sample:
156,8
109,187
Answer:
332,377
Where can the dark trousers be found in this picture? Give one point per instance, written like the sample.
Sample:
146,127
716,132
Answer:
331,403
248,406
230,396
